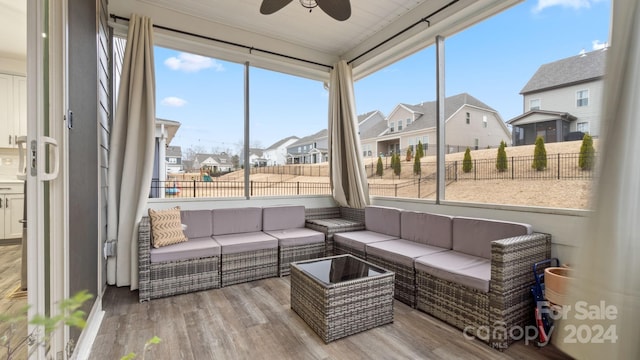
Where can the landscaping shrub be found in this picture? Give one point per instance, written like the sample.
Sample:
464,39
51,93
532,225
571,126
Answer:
467,165
409,154
379,167
587,153
396,164
416,164
539,155
501,161
420,150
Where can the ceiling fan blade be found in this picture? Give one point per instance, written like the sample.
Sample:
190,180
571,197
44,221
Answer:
271,6
337,9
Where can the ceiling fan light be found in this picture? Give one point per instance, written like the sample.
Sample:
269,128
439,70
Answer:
309,4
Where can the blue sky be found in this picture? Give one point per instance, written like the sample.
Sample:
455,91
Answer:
492,61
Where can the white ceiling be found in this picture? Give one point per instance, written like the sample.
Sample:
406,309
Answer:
313,36
13,29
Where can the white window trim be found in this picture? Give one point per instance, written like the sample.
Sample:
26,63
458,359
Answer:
539,104
581,98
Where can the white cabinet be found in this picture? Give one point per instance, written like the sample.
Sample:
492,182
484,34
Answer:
13,109
11,210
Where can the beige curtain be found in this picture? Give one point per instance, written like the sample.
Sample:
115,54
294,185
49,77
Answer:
131,152
608,264
347,173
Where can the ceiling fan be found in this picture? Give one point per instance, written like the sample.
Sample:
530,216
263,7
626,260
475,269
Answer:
337,9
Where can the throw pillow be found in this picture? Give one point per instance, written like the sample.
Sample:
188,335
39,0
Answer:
166,228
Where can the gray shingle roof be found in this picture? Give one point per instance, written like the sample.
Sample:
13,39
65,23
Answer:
311,138
573,70
451,105
280,142
174,151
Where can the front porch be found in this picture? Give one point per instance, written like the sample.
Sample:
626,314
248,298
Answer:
254,321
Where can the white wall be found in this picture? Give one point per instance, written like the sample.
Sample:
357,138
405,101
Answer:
13,66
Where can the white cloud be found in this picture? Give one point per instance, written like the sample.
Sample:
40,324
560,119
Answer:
597,45
192,63
574,4
173,101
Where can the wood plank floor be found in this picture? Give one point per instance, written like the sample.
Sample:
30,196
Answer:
254,321
10,261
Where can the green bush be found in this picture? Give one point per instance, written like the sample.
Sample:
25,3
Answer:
587,153
379,167
467,165
501,162
539,155
416,165
420,150
396,164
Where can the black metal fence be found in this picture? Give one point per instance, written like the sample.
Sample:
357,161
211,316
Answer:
559,166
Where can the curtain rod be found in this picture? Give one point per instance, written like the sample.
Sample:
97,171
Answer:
250,48
424,19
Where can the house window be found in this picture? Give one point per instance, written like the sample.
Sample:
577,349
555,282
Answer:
583,127
476,143
400,125
582,98
391,126
173,160
468,118
408,121
484,121
534,104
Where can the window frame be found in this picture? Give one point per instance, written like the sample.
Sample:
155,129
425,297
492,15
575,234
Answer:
532,107
582,101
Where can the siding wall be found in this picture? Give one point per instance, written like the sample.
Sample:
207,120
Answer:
105,116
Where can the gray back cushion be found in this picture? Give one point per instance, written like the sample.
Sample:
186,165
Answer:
198,223
426,228
240,220
385,220
474,236
282,217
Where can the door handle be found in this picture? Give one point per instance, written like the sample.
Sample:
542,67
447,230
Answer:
22,157
55,159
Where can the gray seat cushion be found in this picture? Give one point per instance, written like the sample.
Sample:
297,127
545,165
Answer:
193,249
234,221
297,236
384,220
282,217
243,242
474,236
401,251
468,270
359,239
426,228
199,223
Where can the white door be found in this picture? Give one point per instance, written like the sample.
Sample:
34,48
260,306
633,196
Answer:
45,207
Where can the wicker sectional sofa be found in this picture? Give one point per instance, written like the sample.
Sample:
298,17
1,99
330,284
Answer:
472,273
225,247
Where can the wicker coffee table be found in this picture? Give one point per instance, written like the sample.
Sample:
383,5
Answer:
341,295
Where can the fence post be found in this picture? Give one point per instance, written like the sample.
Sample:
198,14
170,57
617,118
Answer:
251,187
395,189
418,187
475,169
298,188
194,187
455,169
513,171
558,166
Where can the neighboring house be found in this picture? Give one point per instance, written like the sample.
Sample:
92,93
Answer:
370,125
164,132
174,159
276,154
468,121
562,97
256,157
312,149
216,163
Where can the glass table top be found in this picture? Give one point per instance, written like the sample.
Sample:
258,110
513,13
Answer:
336,269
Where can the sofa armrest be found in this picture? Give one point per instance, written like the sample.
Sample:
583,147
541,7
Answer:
512,259
144,254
